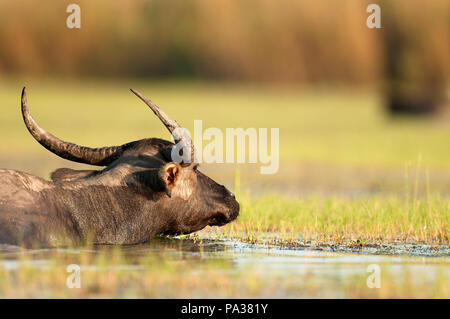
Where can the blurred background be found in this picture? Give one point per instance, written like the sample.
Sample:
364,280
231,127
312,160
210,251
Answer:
359,109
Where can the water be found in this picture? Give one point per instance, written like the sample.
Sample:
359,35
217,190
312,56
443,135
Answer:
297,272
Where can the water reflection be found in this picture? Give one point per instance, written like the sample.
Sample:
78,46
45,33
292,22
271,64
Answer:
232,256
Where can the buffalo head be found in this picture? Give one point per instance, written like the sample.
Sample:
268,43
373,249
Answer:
140,191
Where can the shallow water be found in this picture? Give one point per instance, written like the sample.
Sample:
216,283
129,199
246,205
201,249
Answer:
274,264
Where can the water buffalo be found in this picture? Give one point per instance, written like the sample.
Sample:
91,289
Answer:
140,193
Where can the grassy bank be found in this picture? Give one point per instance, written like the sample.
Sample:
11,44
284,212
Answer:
317,220
339,220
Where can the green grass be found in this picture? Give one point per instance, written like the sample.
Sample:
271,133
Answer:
319,220
322,125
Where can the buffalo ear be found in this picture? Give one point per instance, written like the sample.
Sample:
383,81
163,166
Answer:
170,174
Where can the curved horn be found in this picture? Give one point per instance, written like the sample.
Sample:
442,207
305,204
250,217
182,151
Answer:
169,123
81,154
